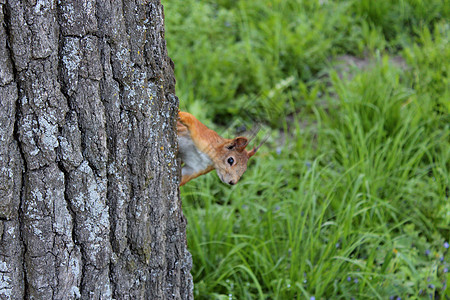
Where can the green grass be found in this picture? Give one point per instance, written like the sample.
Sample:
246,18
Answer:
349,197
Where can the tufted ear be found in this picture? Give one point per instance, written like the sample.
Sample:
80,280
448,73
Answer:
253,151
238,143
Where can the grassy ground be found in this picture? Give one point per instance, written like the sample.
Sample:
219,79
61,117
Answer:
349,197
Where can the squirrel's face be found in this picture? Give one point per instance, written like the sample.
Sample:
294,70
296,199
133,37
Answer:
232,160
232,167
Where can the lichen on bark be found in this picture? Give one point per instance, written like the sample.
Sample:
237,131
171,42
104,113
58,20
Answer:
89,203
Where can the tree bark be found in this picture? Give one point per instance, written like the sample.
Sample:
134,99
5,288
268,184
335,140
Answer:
89,201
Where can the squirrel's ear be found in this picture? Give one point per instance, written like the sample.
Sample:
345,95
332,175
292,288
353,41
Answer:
253,151
238,143
241,142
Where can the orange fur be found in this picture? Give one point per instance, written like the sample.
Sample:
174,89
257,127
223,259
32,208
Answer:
203,150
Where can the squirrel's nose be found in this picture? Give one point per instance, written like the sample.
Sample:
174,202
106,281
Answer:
231,182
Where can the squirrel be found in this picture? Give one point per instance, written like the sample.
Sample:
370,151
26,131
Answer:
202,150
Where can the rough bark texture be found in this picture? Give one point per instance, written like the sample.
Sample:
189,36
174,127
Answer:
89,204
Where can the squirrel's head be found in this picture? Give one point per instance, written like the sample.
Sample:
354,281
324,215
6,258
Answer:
231,160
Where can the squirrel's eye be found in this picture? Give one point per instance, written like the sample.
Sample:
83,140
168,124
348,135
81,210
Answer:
230,161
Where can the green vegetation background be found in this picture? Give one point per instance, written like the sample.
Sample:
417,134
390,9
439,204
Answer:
349,196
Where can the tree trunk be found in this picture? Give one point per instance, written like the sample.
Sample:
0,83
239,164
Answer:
89,202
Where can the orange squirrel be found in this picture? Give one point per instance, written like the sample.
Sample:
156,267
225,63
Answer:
203,150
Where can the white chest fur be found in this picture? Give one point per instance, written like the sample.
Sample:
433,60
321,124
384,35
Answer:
194,160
